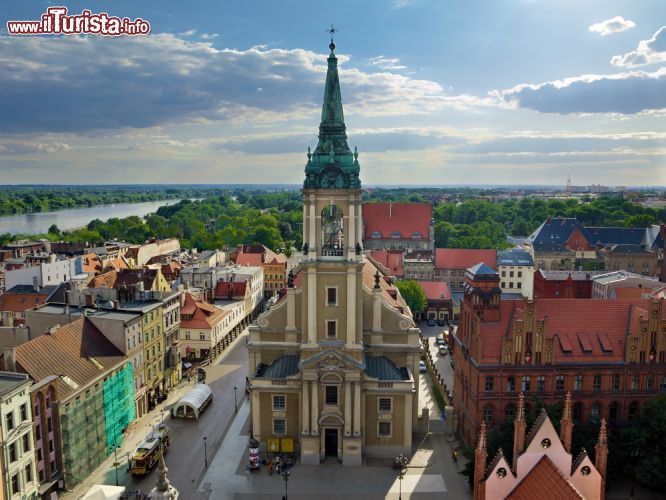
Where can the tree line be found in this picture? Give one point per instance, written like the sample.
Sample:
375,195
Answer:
234,216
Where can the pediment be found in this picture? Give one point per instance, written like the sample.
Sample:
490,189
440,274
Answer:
330,359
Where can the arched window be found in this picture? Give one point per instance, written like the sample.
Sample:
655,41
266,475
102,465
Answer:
646,268
553,265
595,410
541,383
396,235
633,409
416,235
630,266
612,410
542,264
376,235
332,238
616,266
488,414
577,412
510,410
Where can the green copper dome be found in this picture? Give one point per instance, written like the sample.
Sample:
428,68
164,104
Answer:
332,165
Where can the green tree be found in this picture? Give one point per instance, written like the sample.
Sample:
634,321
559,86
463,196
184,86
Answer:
55,230
413,294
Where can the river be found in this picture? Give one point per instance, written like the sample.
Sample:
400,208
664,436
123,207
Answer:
73,218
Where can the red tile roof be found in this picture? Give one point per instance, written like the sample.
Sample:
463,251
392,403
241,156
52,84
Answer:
391,262
463,258
572,323
405,218
21,302
436,290
78,350
200,315
544,481
106,280
250,259
222,289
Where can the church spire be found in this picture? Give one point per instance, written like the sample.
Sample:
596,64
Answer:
332,165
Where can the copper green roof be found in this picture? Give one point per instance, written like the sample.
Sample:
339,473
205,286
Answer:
332,165
282,367
382,368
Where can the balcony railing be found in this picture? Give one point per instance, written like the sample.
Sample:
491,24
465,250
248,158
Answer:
332,251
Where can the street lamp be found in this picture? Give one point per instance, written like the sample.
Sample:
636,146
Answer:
401,462
205,454
235,404
285,476
162,415
115,460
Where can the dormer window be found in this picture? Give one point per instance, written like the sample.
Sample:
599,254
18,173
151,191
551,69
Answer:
396,235
416,235
376,235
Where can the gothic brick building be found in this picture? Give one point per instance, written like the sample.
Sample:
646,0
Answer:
610,354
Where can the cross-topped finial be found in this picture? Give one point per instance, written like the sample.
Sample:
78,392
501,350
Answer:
332,31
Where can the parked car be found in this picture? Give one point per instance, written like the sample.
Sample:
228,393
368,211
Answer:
431,322
440,341
422,367
443,350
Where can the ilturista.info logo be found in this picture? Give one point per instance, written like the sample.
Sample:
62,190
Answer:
57,21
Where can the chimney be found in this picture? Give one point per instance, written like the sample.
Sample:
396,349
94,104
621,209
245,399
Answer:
52,330
10,359
519,431
35,283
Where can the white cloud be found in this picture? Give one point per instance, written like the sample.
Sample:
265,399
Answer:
648,52
616,24
208,36
24,148
386,63
188,32
141,82
399,4
624,93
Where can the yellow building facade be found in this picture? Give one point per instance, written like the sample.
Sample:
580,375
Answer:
334,363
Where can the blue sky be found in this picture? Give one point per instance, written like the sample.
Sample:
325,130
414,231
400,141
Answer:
435,92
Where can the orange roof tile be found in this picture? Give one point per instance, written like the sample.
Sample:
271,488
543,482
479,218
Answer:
567,321
250,259
21,302
106,280
463,258
404,218
436,290
200,315
544,481
390,262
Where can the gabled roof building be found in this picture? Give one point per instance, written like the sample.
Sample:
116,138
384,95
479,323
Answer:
610,354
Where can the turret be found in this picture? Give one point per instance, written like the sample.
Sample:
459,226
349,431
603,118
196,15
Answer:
601,450
519,431
480,459
483,292
566,424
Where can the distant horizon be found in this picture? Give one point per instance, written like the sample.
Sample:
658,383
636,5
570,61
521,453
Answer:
299,185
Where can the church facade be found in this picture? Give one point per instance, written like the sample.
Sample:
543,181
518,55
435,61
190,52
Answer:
334,363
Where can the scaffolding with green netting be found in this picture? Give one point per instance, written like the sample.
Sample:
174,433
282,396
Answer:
118,406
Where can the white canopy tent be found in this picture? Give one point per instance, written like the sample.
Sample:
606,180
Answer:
104,492
193,403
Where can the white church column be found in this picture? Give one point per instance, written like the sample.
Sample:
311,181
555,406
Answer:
312,305
357,408
306,407
348,408
314,422
352,229
351,306
312,240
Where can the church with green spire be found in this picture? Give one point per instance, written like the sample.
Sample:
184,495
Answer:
334,362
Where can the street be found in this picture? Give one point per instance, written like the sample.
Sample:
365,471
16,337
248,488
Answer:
185,457
442,362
